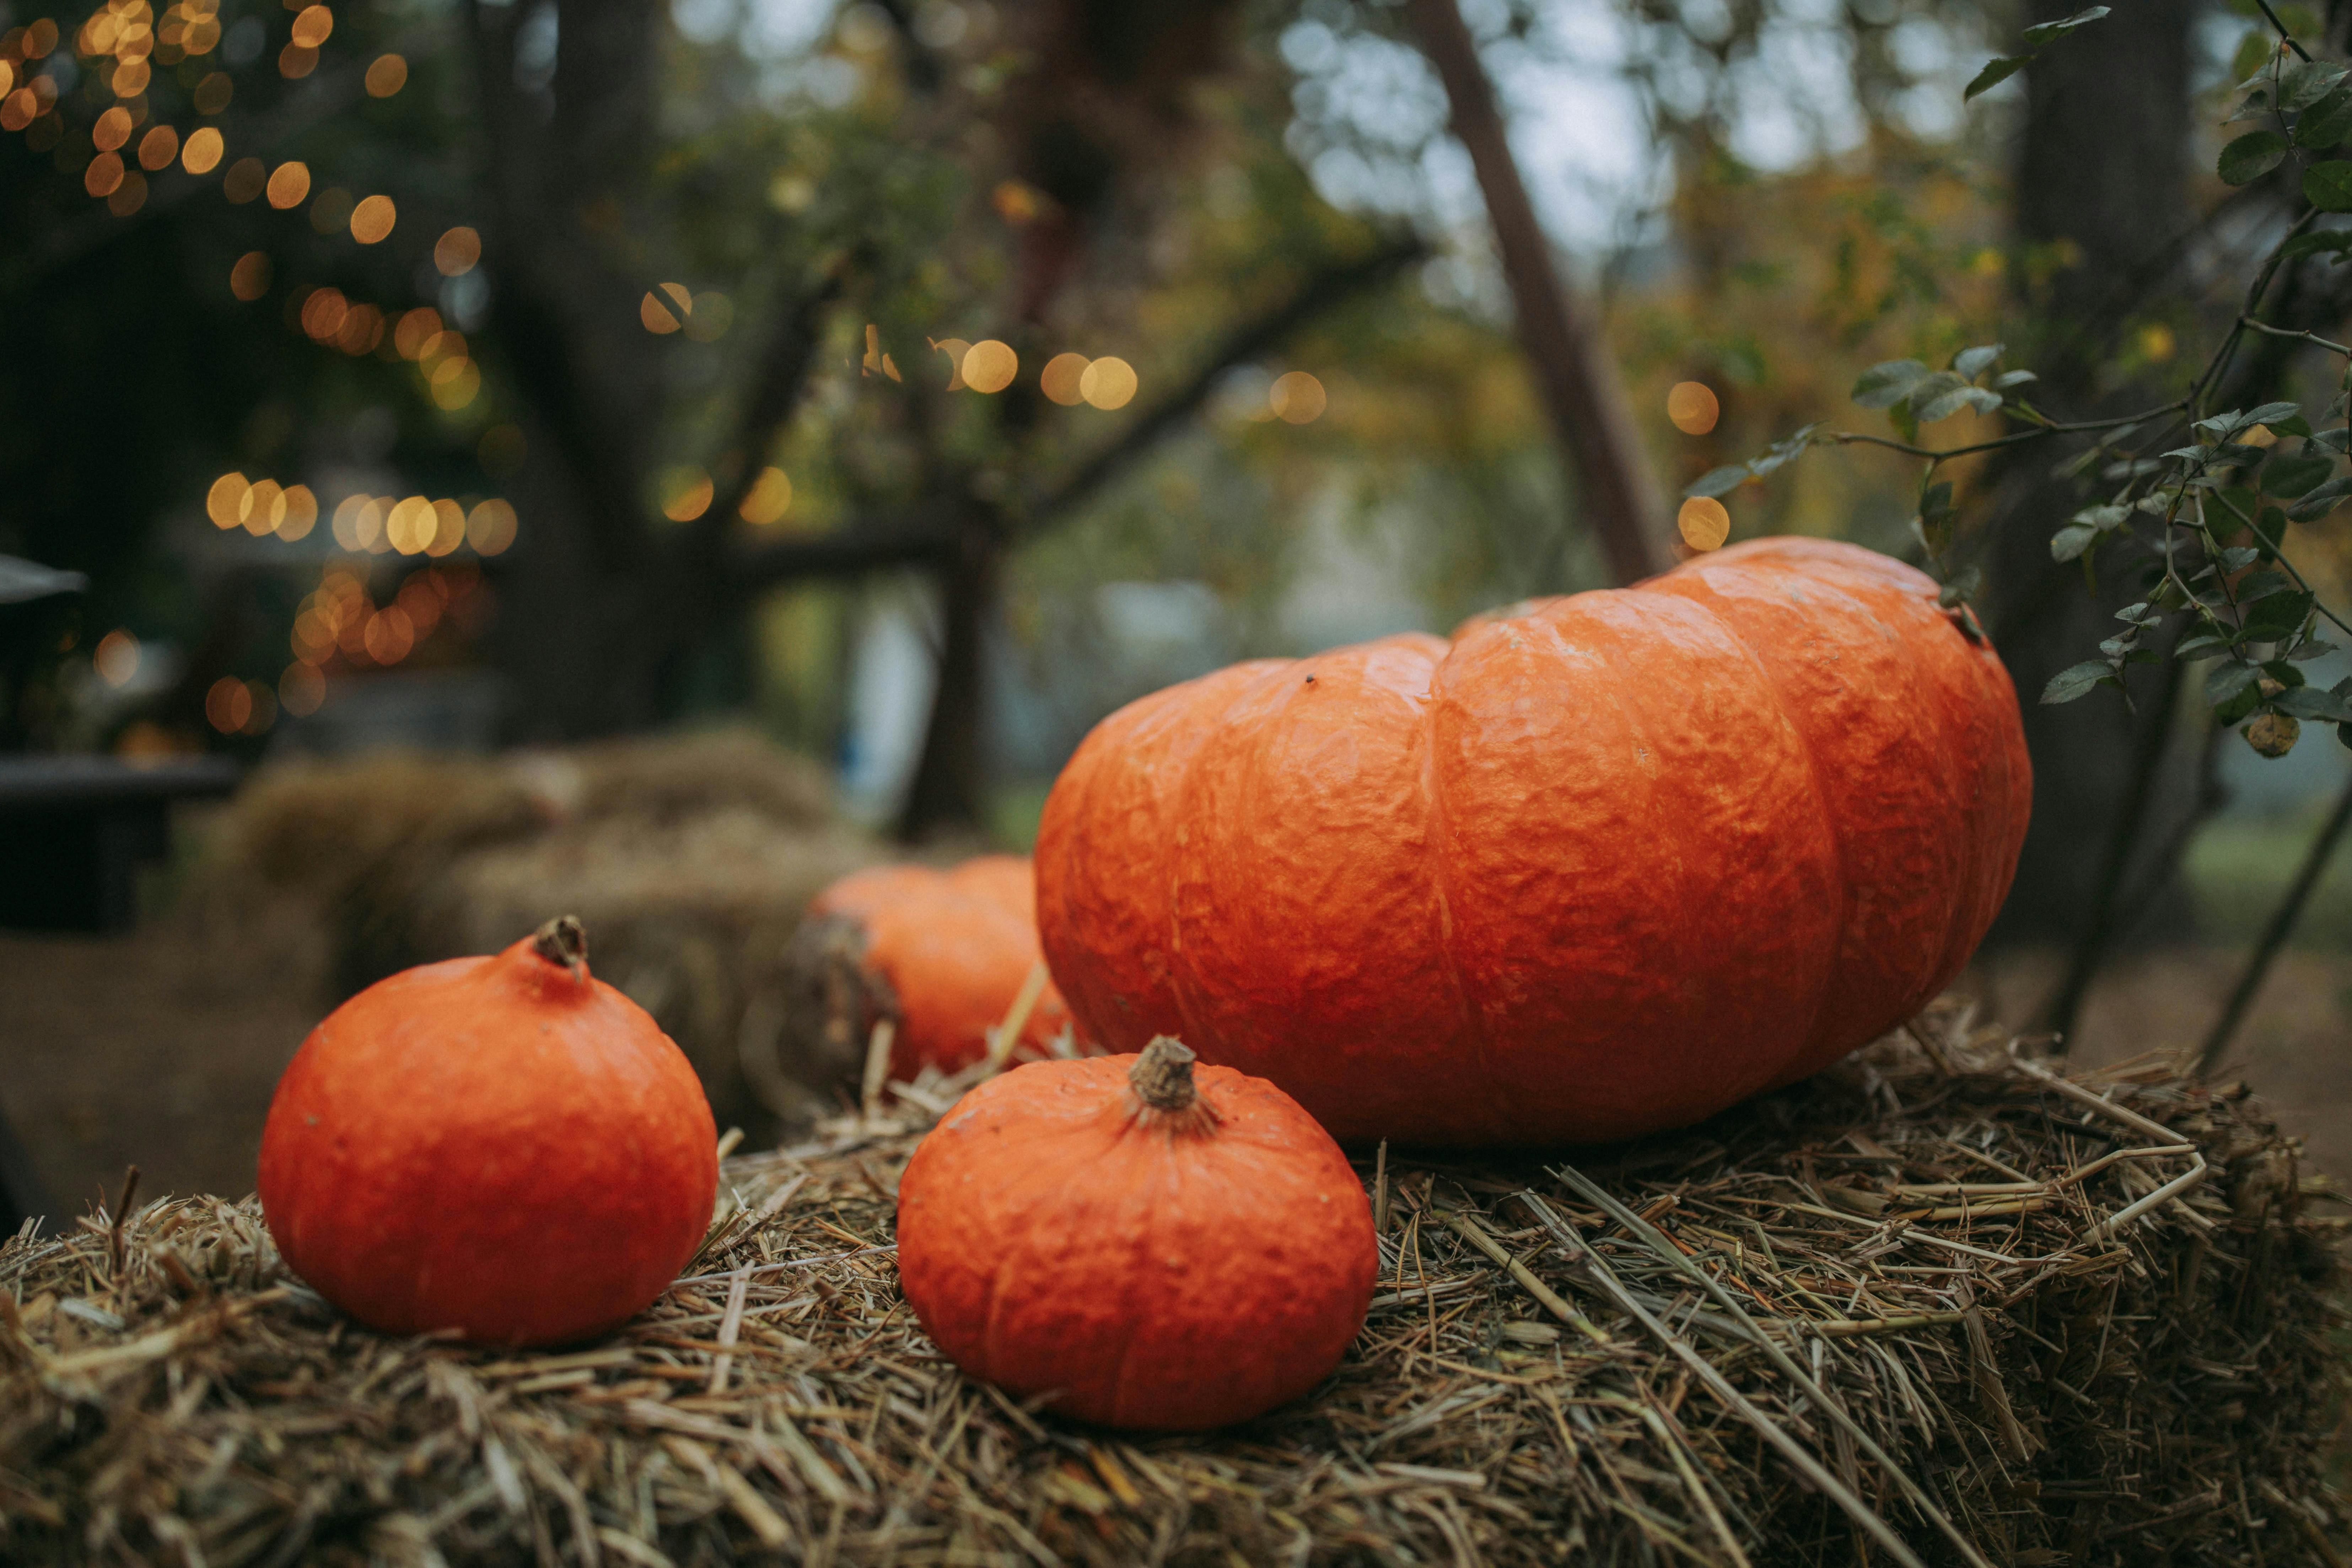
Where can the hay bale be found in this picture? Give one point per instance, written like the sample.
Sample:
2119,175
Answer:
2076,1323
690,857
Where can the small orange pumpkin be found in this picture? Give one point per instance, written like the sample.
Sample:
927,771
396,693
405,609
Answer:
1147,1249
942,953
1599,864
504,1146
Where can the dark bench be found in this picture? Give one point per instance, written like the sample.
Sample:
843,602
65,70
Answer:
74,830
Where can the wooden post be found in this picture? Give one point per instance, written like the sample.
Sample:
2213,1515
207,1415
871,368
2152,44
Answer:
1571,364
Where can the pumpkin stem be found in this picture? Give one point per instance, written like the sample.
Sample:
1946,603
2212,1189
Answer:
564,941
1163,1080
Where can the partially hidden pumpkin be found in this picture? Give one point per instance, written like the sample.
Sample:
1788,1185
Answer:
1599,865
1143,1246
505,1146
943,954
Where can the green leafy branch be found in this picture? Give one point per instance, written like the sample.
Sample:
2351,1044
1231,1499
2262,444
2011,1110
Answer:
2212,511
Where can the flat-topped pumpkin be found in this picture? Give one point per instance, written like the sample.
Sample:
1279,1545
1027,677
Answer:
1598,866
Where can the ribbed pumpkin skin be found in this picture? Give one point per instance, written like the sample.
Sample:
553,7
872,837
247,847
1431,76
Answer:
499,1145
1158,1279
955,947
1600,866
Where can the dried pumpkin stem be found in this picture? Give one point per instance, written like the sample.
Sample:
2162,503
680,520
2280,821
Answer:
564,941
1163,1080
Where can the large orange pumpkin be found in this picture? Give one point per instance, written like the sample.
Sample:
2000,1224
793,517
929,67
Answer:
942,953
1600,865
504,1146
1145,1249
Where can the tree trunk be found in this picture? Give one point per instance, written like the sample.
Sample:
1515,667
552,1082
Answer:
1567,353
946,795
2101,190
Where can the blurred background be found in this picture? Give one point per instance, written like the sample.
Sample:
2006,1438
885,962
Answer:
464,458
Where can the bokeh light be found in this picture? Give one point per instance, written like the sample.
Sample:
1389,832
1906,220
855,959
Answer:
244,179
228,706
685,494
1693,407
225,501
289,183
158,148
263,508
1109,383
455,252
301,690
116,658
1059,379
1296,398
373,219
322,313
129,196
389,634
295,62
313,25
409,526
213,94
989,365
416,328
657,316
769,498
1704,523
201,154
454,382
104,174
491,527
111,130
387,74
448,533
955,349
300,514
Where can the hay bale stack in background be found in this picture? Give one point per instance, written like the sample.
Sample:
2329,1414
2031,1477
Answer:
690,858
1920,1273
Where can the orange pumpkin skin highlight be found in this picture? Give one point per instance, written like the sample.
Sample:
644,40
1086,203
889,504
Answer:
501,1145
1147,1271
954,947
1600,865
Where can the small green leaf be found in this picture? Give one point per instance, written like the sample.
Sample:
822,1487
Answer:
2203,643
2328,187
1883,385
2251,156
2070,542
1940,396
2310,702
2227,680
2319,502
2009,378
1973,363
2305,82
1998,69
2327,122
1720,481
2276,616
2292,477
2068,684
2042,32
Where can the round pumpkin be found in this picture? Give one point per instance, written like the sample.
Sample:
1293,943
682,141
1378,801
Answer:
504,1146
1599,864
942,953
1148,1248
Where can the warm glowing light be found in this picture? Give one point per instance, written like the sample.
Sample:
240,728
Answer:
8,77
263,709
324,312
224,502
769,498
1296,398
373,219
295,62
448,533
955,349
263,508
289,183
312,28
39,38
455,252
1060,378
116,658
359,523
301,690
212,94
129,196
363,329
131,79
657,316
989,365
228,706
20,108
416,328
455,384
104,174
386,76
1016,202
300,514
409,527
492,528
686,495
1109,383
389,634
201,154
158,148
244,179
1693,408
1704,523
112,130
